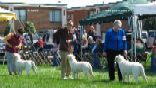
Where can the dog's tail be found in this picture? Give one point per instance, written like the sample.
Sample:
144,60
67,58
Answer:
143,73
34,68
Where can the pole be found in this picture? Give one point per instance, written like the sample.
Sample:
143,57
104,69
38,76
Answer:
135,32
130,23
11,22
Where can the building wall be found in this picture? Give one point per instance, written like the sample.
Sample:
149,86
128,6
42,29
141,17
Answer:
40,17
77,15
81,13
106,26
2,26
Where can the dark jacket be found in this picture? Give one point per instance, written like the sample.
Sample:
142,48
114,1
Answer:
63,35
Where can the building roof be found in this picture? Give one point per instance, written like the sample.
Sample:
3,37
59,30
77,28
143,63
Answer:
20,4
88,7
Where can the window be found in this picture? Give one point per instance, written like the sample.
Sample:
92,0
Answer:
21,15
55,16
92,12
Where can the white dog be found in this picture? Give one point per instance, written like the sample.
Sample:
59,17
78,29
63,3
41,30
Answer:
76,67
128,68
21,64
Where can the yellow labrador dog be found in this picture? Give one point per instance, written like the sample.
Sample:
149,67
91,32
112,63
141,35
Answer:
128,68
76,66
21,64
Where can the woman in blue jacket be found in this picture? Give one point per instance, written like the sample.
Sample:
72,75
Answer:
115,43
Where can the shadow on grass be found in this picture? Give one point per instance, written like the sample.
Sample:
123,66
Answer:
128,83
5,75
101,70
103,80
149,86
108,81
149,73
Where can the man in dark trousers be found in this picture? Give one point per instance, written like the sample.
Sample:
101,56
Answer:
115,43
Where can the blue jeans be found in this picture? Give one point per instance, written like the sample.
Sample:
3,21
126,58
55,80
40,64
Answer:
153,64
56,59
10,62
95,61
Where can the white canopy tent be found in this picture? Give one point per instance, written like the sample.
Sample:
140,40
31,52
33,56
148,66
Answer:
145,9
140,10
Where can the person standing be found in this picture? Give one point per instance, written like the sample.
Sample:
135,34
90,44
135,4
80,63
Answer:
14,42
115,43
92,32
65,41
96,51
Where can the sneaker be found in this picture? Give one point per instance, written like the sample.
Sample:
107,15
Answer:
70,77
65,77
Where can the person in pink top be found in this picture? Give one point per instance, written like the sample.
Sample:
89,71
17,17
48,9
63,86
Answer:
13,42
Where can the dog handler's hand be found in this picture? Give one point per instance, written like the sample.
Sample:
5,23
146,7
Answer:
104,54
125,52
68,41
9,45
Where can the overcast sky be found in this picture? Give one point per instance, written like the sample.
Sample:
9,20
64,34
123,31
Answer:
70,3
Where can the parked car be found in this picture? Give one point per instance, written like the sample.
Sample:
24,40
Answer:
2,51
152,33
2,45
144,36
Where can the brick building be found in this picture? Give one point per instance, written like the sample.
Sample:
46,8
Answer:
52,16
44,16
78,13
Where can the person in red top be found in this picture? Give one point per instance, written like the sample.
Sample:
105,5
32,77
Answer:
40,43
14,42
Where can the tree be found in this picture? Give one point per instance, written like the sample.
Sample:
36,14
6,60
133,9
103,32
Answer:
149,23
30,28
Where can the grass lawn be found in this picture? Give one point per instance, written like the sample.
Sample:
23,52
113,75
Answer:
49,77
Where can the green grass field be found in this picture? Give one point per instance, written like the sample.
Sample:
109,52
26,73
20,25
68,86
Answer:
49,77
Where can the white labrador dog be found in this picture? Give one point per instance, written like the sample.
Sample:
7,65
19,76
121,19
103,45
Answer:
21,64
128,68
76,67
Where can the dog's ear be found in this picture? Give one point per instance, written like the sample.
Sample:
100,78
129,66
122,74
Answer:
116,57
119,55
